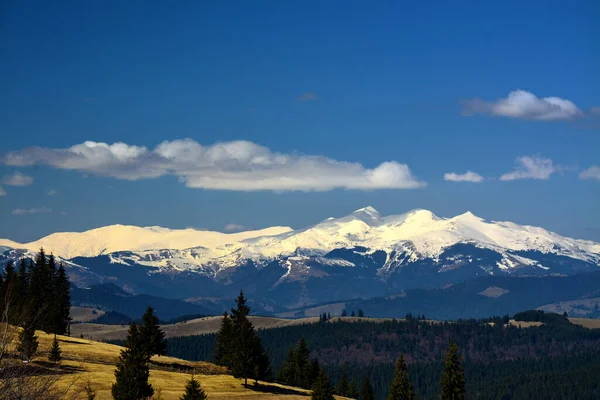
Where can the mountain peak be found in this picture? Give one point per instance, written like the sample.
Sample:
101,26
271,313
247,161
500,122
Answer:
467,215
368,210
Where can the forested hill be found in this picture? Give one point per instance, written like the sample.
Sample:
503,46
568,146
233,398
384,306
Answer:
553,361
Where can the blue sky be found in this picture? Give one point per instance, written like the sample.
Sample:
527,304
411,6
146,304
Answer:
337,105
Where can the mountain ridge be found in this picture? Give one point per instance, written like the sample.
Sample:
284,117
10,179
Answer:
365,227
359,255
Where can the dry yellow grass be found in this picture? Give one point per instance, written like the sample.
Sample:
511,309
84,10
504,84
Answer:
586,322
85,360
84,314
193,327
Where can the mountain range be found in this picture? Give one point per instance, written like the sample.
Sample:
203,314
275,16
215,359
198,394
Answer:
359,256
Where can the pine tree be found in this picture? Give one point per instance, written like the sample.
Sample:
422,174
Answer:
352,389
453,377
361,314
321,389
342,386
366,390
62,307
28,342
22,287
152,335
302,364
286,372
193,390
55,352
249,359
344,313
401,388
132,370
298,370
223,349
42,291
7,283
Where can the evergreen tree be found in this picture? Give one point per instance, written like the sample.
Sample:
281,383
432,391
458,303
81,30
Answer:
55,353
344,313
361,314
7,292
42,291
298,370
249,359
22,287
352,389
313,371
193,391
152,336
352,314
401,388
62,305
321,389
132,370
224,349
366,390
342,386
286,372
28,342
453,377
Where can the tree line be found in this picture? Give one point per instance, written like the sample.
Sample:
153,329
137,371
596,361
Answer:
239,348
499,359
301,371
35,294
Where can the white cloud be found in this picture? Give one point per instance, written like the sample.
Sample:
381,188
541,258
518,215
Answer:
17,179
52,192
234,228
468,176
2,191
25,211
525,105
308,96
531,167
592,172
237,165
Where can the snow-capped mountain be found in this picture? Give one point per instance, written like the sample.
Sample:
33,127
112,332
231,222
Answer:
363,254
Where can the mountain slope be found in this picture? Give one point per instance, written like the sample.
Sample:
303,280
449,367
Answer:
361,255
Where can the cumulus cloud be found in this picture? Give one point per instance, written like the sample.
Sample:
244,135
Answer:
308,96
237,165
17,179
26,211
2,191
592,172
468,176
524,105
531,167
234,228
51,192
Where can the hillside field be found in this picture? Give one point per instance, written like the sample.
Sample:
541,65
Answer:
85,360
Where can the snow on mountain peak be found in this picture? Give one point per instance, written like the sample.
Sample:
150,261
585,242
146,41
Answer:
368,210
419,232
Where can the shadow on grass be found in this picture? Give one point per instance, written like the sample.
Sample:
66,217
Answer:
40,368
72,341
273,389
